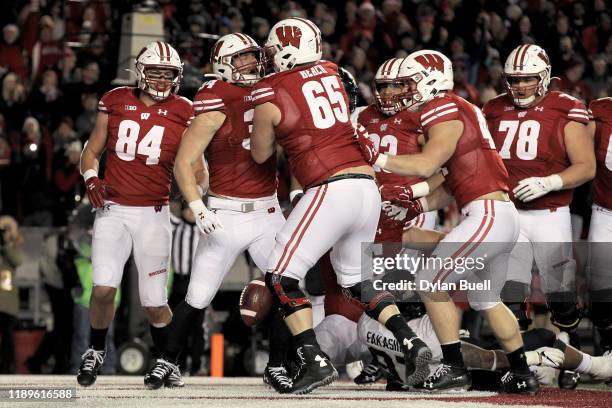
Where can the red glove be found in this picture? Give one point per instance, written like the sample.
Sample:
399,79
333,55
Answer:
96,191
403,213
368,150
400,195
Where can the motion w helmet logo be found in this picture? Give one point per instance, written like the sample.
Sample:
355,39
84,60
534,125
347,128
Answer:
289,35
431,61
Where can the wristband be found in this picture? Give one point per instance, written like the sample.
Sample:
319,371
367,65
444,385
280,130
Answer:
424,204
556,182
197,206
89,174
381,161
294,193
420,189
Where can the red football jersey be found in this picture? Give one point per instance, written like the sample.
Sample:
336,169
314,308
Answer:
531,140
601,111
315,129
141,145
475,168
233,172
395,135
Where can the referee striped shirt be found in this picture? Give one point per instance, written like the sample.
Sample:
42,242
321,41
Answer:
184,243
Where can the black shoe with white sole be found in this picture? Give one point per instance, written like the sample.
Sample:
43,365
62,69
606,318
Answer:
519,383
314,370
175,379
446,378
91,362
417,356
277,378
370,374
160,373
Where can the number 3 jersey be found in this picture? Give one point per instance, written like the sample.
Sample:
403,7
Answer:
233,172
601,111
141,145
315,129
531,141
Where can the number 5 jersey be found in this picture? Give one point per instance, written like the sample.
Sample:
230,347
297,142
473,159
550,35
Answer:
531,141
141,145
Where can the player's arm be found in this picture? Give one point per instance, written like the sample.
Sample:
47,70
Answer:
97,191
440,146
189,157
263,139
581,153
200,171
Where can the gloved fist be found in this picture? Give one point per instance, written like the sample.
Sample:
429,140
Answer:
535,187
400,195
402,213
206,220
368,150
551,357
96,191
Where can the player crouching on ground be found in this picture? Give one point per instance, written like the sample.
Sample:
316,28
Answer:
140,129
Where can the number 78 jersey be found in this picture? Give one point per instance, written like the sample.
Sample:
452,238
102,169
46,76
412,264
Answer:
141,145
531,141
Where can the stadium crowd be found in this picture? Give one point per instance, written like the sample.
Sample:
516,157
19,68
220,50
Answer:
58,57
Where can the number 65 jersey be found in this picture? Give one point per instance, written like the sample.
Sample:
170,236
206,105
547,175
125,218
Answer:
141,145
531,141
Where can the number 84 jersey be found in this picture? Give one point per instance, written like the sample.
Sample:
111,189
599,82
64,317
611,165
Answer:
141,145
531,141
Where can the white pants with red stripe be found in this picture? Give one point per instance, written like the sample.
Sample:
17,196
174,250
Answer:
546,237
340,215
252,231
120,230
475,251
600,249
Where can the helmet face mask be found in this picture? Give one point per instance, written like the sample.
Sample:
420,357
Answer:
527,62
386,88
159,70
237,59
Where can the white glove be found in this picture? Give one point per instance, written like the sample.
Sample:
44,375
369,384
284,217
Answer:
535,187
206,220
544,375
395,212
545,356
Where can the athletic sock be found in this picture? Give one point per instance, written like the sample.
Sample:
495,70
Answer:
399,327
183,317
306,337
98,338
518,361
585,365
280,340
451,353
159,336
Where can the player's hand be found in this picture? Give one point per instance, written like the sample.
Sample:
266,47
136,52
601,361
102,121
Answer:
368,150
535,187
402,213
206,220
97,191
400,195
551,357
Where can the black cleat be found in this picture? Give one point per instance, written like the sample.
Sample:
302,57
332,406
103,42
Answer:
91,362
517,383
314,370
568,380
417,356
395,384
175,379
277,378
370,374
159,374
446,378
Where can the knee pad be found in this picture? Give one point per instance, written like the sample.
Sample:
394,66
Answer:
514,295
480,306
600,315
374,303
287,294
564,312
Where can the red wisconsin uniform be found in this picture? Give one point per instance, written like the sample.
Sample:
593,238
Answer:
396,135
315,129
531,141
141,145
233,172
601,111
475,168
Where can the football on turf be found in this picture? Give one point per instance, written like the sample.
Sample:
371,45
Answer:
255,302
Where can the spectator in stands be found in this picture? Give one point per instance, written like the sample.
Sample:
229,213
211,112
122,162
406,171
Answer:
10,257
64,135
572,82
599,81
462,87
12,101
46,52
11,53
87,81
86,120
46,100
66,182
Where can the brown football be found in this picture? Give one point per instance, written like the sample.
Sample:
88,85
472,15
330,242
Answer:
255,302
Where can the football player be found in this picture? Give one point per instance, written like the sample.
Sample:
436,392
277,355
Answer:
542,138
140,128
457,139
600,232
303,107
243,212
